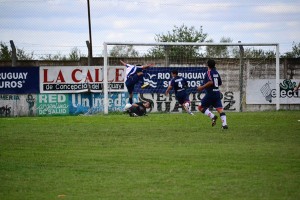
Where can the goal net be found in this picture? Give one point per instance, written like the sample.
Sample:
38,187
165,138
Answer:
233,61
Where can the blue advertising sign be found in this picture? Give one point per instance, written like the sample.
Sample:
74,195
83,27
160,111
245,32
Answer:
19,80
159,77
92,103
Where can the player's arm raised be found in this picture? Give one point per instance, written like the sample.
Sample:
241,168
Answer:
148,65
123,63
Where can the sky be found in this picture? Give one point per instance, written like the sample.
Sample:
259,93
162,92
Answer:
57,26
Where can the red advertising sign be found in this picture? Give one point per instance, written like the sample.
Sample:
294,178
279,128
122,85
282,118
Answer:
76,79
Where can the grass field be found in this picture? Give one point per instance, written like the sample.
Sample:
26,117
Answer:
162,156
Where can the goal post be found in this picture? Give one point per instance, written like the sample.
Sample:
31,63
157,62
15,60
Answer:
106,59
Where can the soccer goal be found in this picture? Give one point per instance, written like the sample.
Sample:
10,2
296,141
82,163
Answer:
233,61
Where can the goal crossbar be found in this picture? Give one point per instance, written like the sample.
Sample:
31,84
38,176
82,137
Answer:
189,44
105,59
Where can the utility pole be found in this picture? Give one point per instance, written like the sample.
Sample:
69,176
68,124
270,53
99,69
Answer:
14,53
241,75
90,49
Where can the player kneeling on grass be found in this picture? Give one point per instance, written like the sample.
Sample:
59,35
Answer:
137,109
212,81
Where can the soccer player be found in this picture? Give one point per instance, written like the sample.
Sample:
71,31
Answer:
179,85
212,81
134,74
138,109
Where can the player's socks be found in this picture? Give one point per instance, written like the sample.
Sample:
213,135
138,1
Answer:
223,118
186,106
209,114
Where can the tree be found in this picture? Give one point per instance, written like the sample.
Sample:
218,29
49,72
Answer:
123,51
75,54
5,53
57,56
219,51
255,53
227,51
295,53
179,34
22,55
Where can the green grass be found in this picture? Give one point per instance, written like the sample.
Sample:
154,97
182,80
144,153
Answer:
162,156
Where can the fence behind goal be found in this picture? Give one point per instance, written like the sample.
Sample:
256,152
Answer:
190,61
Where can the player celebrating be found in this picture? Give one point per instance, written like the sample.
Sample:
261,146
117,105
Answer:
179,84
134,74
212,81
138,109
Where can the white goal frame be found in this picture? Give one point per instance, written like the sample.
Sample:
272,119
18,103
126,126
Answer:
105,57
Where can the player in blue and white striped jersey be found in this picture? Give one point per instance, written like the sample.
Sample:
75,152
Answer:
179,85
212,81
134,75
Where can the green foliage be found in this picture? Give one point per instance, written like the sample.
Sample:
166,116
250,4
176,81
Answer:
295,53
162,156
22,55
75,54
254,53
179,34
219,51
5,53
57,56
123,51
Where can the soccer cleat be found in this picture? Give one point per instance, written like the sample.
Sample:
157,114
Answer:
225,127
145,85
213,121
191,113
133,115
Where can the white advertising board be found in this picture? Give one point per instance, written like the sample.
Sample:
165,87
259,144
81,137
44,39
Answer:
263,91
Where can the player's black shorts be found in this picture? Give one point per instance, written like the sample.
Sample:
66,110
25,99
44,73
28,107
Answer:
212,100
182,97
130,82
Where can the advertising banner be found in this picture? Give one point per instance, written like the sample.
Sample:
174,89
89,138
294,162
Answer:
52,104
78,79
163,103
159,77
263,91
19,80
87,103
13,105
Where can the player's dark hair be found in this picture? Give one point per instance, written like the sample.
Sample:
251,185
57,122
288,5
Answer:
150,104
175,72
211,63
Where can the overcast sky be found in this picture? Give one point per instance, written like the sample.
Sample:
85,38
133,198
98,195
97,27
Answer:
51,26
